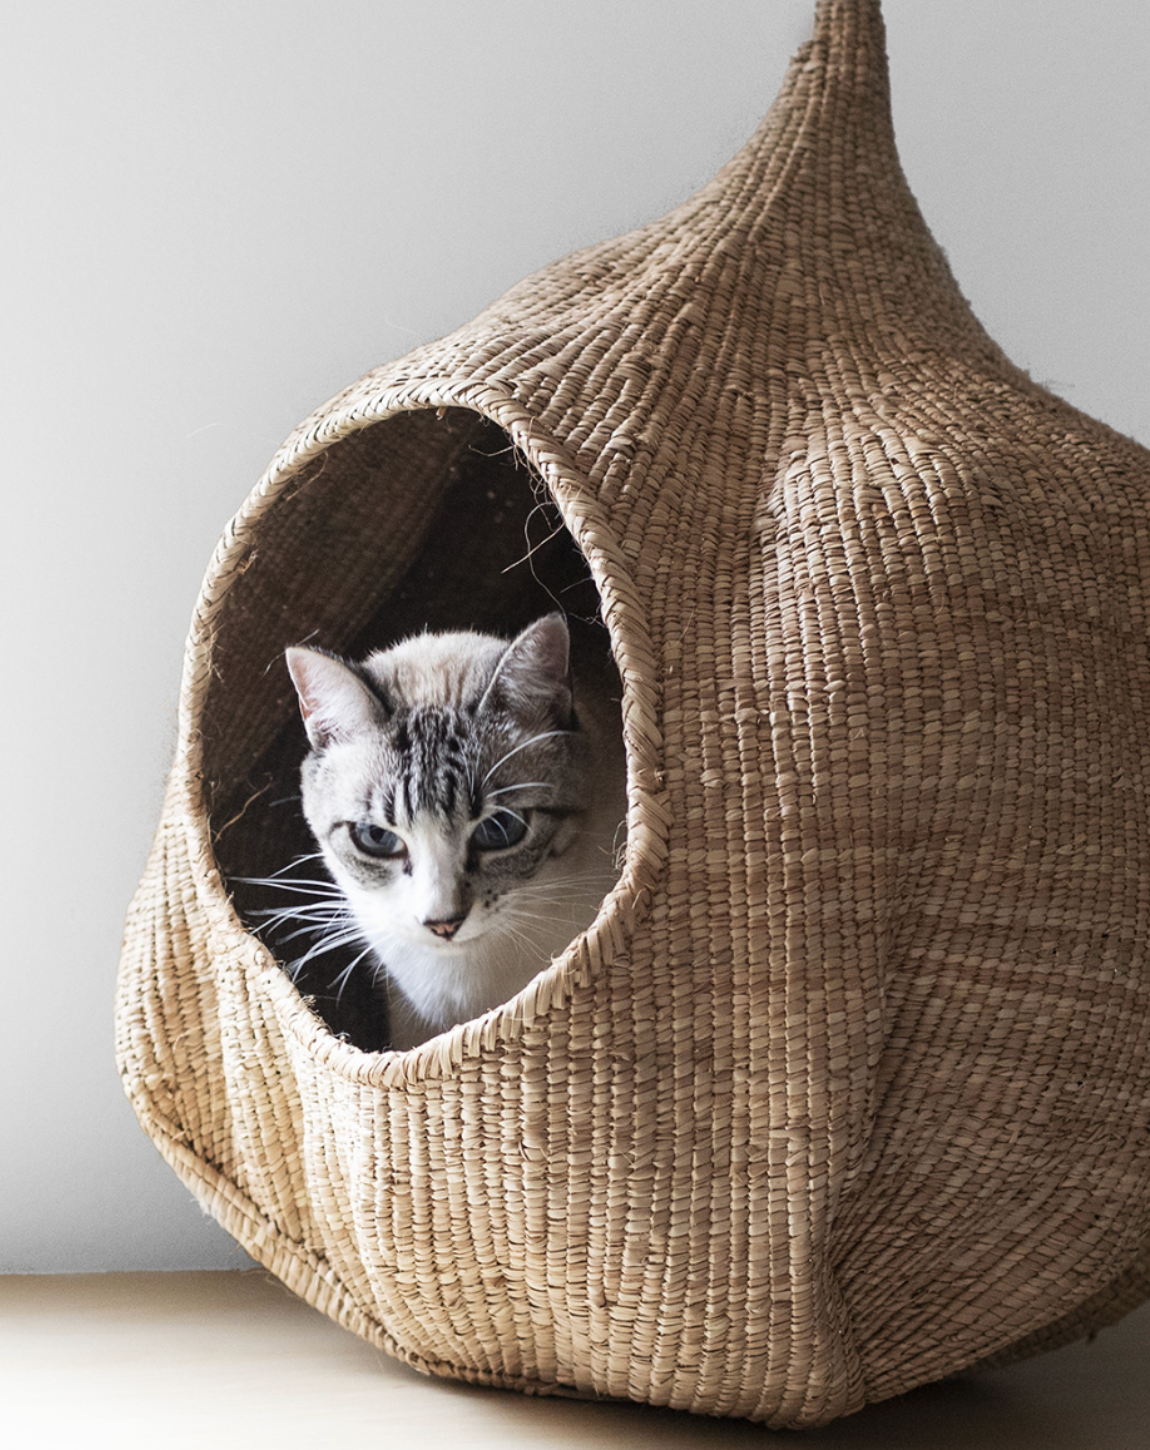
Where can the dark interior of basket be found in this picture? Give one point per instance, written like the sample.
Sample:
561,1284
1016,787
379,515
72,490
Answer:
423,521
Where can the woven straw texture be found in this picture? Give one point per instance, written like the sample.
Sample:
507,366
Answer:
846,1089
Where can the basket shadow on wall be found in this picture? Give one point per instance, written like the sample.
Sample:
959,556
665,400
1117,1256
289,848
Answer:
432,520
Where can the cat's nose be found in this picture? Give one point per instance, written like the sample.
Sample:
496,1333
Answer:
447,927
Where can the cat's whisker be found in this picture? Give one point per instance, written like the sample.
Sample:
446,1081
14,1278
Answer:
584,873
300,885
320,906
302,898
283,871
545,920
318,900
344,977
310,924
531,920
309,930
534,740
343,934
517,934
347,934
566,885
321,948
537,902
523,785
315,918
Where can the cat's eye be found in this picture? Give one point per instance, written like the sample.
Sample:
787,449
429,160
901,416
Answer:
498,831
376,840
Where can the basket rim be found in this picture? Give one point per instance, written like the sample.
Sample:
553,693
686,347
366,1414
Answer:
603,941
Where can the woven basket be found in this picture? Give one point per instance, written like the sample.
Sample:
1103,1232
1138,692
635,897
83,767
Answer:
846,1088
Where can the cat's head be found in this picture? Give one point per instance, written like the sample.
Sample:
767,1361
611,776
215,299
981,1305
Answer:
443,774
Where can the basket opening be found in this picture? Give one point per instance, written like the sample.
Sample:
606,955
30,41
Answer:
420,521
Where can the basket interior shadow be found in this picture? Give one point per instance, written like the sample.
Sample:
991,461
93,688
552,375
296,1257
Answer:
431,520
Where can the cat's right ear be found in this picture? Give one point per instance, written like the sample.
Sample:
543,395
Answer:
333,700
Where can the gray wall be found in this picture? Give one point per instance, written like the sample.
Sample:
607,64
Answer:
218,214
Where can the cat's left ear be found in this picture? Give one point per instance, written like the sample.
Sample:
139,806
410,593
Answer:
533,679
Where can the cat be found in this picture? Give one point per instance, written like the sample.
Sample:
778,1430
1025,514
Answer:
467,813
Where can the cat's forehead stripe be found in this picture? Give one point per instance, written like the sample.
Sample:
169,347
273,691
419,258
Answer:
430,759
441,762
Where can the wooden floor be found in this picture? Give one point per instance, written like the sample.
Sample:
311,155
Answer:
232,1360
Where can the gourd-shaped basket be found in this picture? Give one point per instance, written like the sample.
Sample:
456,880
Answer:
846,1087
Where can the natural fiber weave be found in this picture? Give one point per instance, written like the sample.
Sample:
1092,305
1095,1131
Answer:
847,1087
